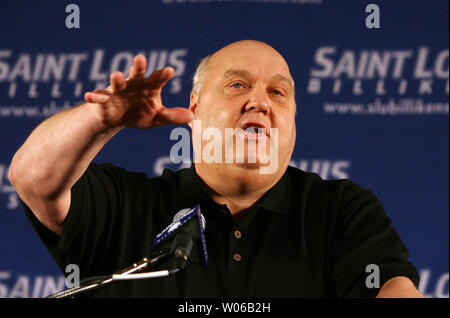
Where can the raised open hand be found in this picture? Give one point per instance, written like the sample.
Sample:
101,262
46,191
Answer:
136,101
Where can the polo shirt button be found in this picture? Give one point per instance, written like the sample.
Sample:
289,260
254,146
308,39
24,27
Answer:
237,234
237,257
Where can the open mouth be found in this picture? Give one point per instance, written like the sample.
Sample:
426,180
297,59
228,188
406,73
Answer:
254,130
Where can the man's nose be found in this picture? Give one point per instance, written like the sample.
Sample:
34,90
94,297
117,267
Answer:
258,102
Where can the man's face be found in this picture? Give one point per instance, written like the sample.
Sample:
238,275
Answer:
248,85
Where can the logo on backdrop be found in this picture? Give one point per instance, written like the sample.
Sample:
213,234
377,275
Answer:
55,76
8,195
411,81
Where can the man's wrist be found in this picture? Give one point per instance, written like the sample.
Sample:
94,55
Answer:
92,110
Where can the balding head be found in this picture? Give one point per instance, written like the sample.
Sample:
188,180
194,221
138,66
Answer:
245,84
242,50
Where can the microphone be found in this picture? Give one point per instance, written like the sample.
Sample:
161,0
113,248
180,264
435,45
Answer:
187,225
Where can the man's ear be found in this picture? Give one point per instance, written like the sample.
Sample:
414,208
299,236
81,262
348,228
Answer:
192,105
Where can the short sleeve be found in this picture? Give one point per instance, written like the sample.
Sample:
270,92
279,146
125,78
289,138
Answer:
108,205
365,240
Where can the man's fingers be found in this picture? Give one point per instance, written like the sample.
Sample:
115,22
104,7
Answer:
139,67
159,78
176,115
96,97
118,82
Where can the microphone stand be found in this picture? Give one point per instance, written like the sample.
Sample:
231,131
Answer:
128,273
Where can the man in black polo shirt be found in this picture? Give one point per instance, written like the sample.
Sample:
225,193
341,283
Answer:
286,233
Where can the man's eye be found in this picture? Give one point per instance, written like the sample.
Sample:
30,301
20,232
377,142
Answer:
277,92
237,85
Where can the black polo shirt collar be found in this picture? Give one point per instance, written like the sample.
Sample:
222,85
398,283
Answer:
277,200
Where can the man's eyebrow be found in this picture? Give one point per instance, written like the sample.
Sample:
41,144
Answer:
283,78
232,72
244,73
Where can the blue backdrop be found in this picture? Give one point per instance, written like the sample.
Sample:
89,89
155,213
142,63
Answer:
372,102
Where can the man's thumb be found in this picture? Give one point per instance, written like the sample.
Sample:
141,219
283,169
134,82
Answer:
176,116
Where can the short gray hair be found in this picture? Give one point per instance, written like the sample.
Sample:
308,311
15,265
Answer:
199,75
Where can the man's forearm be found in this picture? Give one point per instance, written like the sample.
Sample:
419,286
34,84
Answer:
59,151
399,287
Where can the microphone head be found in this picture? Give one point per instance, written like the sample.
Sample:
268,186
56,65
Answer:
190,221
184,215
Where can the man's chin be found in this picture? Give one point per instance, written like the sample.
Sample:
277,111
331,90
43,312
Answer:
247,165
252,162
